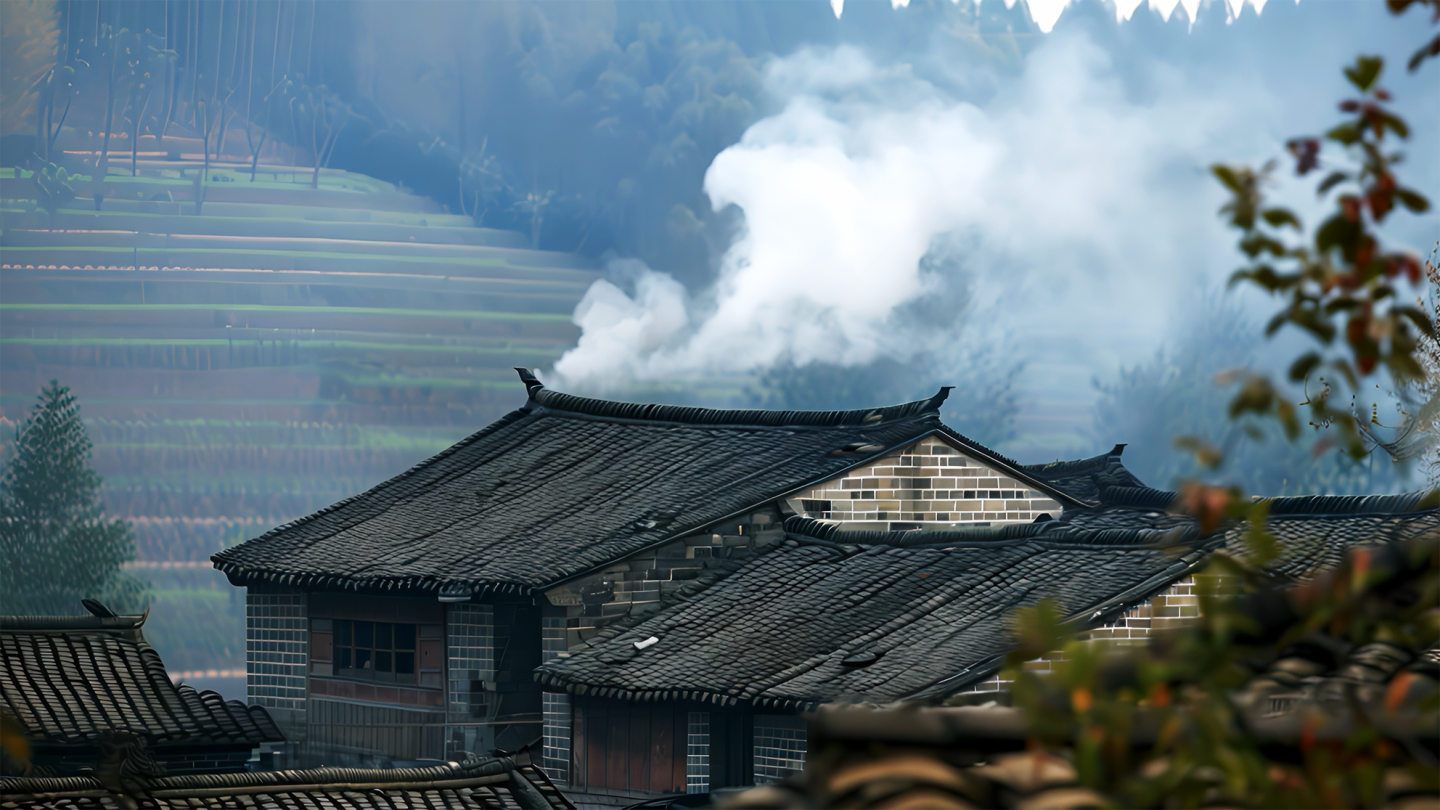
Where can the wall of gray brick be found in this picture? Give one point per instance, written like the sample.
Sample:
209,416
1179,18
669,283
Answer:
930,484
277,641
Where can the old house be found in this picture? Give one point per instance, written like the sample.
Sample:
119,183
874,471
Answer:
658,591
76,684
879,617
409,619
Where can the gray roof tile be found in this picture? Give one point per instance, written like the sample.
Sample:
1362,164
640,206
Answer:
567,484
479,783
68,679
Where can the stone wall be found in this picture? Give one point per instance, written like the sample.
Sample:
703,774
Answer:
928,485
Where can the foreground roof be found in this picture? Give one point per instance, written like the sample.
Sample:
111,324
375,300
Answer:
835,615
1313,694
71,679
875,616
495,783
567,484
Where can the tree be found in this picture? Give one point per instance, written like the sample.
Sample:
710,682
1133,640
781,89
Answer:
28,33
1173,393
55,542
1188,691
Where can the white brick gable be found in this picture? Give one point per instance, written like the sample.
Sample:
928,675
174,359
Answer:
931,484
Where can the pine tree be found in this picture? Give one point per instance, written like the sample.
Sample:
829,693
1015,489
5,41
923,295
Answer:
55,543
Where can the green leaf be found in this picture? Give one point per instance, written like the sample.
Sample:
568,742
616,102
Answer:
1341,304
1334,232
1276,322
1403,367
1425,52
1348,134
1278,217
1256,244
1301,368
1227,176
1316,324
1366,71
1412,200
1395,124
1331,180
1419,318
1343,366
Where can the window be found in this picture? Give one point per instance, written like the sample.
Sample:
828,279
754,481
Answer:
380,651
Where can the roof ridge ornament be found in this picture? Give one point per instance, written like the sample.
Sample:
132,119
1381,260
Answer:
97,609
934,403
531,383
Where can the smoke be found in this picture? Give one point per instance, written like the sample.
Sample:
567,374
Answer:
1069,194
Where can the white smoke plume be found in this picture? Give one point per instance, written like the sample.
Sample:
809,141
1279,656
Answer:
1070,198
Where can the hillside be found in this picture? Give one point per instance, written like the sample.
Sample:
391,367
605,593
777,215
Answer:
281,349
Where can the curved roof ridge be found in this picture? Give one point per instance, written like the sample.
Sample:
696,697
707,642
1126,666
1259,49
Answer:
808,527
473,765
1348,504
759,417
1138,497
1052,532
985,452
1079,465
32,624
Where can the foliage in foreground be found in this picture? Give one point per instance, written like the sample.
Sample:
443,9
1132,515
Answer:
1186,721
56,545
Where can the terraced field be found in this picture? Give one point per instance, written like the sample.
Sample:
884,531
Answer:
281,349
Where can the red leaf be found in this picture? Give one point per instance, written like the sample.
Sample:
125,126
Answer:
1306,152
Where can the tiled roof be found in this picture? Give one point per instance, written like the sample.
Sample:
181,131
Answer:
567,484
876,616
933,605
496,783
70,679
1301,696
1087,478
1313,532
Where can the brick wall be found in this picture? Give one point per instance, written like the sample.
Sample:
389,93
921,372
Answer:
1176,607
470,662
779,747
277,637
636,587
930,484
697,753
556,727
